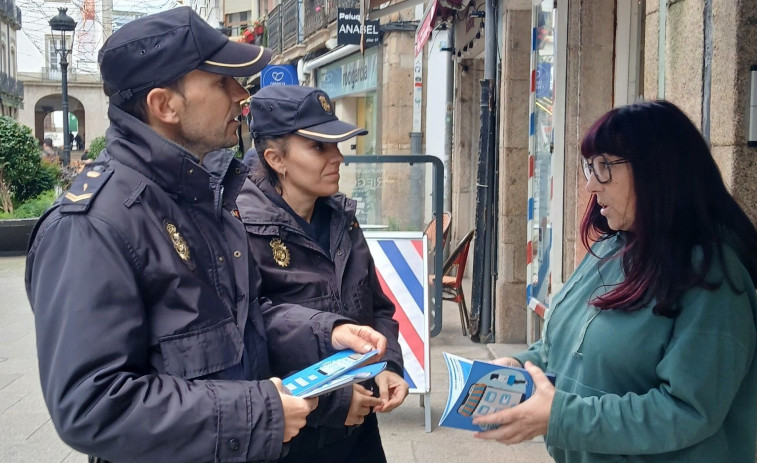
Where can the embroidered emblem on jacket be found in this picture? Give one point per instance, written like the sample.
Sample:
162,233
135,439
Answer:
179,244
280,252
76,198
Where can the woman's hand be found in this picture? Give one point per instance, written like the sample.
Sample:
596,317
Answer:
507,362
392,390
360,405
525,421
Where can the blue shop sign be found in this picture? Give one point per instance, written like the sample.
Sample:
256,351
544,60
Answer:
278,74
355,74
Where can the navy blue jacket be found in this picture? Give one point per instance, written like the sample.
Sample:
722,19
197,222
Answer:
150,335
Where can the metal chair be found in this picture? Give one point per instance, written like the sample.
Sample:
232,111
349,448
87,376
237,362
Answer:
452,278
431,230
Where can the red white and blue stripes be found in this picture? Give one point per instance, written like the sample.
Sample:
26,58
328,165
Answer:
403,274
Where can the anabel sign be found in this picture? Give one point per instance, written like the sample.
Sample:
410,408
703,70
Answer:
349,28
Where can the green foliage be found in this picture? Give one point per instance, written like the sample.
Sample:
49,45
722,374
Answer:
97,145
41,178
23,175
34,207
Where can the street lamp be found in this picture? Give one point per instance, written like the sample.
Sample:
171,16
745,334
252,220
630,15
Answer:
63,27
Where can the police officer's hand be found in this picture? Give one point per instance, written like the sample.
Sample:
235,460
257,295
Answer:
296,410
359,338
360,405
392,390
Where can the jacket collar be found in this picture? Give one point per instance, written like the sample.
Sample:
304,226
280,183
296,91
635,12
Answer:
173,168
257,208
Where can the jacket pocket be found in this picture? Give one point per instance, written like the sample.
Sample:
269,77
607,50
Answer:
360,308
204,351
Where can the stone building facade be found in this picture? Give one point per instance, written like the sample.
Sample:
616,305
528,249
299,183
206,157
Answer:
11,89
694,53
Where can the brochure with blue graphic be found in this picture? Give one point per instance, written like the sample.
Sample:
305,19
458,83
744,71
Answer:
340,370
479,388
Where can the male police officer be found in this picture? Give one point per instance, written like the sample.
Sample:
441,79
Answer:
151,341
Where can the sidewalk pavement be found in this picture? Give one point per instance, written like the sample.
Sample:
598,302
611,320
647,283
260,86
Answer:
28,434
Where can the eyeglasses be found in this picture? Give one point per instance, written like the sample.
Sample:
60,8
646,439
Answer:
600,167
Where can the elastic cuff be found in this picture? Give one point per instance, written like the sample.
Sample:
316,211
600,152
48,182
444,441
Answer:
323,329
555,418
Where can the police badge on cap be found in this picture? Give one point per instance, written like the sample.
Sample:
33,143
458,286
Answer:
279,110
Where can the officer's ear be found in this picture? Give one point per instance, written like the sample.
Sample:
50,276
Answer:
163,105
275,158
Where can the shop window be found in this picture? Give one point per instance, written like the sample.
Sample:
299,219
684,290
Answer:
541,147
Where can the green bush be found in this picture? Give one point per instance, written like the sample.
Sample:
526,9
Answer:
44,178
23,175
97,145
34,207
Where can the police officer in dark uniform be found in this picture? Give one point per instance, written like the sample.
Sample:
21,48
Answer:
152,344
310,250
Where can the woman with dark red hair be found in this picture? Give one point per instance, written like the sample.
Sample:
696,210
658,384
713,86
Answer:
652,338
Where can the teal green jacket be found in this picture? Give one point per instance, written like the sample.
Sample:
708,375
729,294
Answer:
643,387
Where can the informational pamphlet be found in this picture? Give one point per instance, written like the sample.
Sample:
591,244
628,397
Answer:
340,370
480,388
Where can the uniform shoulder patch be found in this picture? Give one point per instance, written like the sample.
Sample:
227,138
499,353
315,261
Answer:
84,189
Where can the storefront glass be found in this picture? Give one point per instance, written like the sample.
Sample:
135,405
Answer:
541,149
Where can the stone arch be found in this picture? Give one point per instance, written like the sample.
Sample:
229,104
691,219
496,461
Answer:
50,103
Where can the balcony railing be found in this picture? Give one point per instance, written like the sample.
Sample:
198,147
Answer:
291,26
320,13
10,13
293,21
274,30
315,17
11,86
74,75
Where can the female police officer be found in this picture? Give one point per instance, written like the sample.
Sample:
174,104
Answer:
310,250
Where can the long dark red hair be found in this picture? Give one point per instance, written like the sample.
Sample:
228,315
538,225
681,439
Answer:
681,204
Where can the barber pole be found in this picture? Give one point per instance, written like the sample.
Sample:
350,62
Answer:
401,270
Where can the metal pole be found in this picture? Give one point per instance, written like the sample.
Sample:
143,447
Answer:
481,298
64,89
448,129
480,256
490,74
416,183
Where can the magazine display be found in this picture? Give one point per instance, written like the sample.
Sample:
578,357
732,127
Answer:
340,370
480,388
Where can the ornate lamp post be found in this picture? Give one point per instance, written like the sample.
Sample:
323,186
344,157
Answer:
63,27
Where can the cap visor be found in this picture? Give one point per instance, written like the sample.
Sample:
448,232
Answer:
237,59
332,131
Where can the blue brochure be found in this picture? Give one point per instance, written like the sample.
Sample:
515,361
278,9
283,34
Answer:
341,369
479,388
